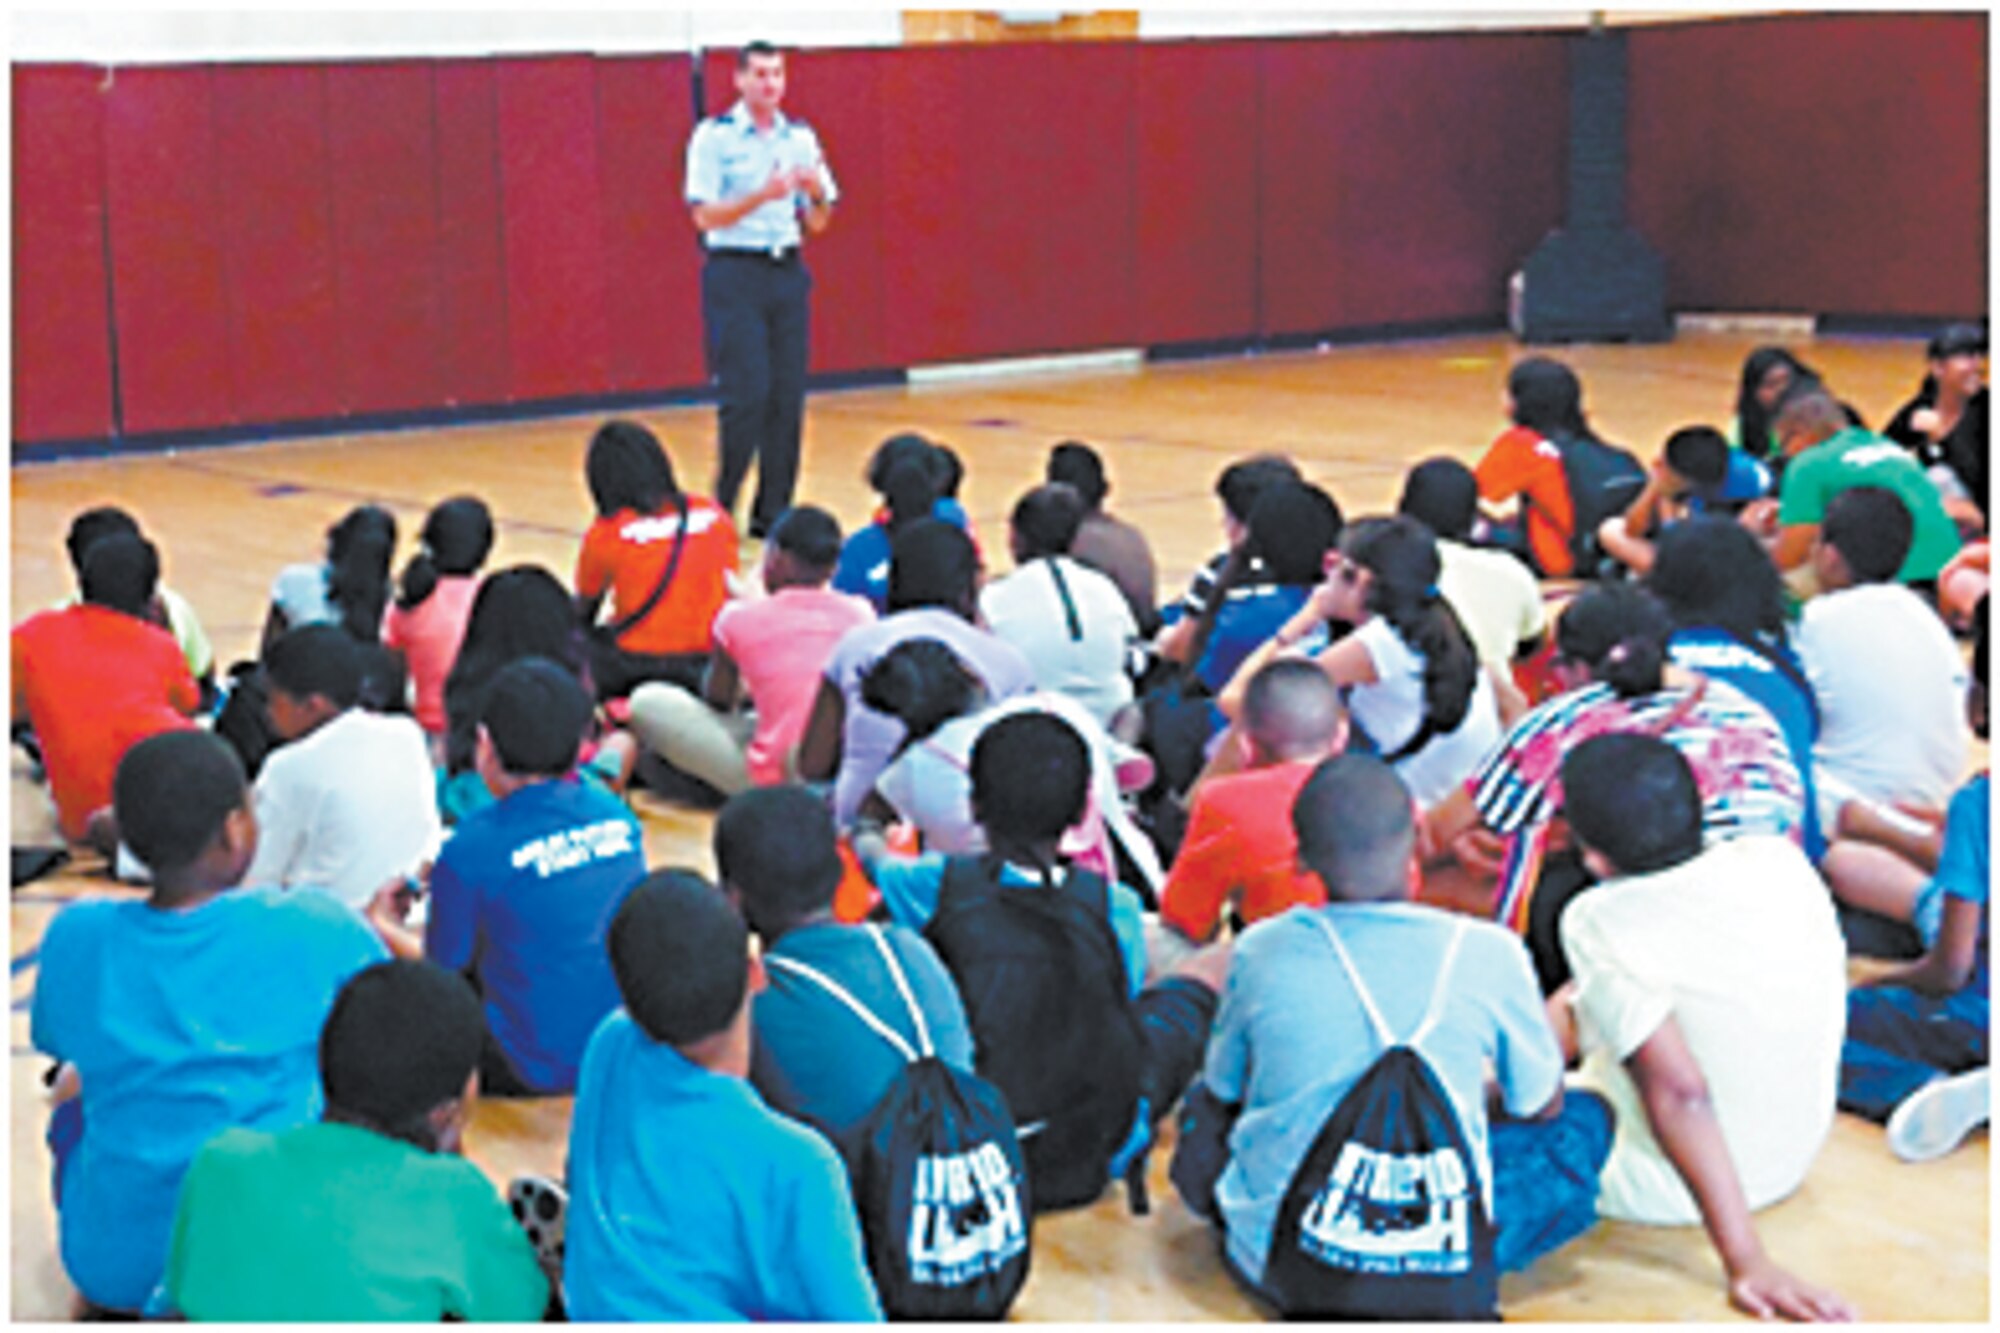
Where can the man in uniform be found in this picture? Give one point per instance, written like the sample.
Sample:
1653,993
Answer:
753,176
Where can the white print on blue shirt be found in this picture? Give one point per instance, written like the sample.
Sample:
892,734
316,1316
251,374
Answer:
573,847
965,1218
1389,1213
661,527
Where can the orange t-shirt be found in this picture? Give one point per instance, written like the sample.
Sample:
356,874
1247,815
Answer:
628,552
1240,843
94,682
1522,463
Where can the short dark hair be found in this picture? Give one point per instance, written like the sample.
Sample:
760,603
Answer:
1872,529
680,955
1633,798
1548,397
776,847
319,660
1443,495
401,1040
932,563
1030,777
1291,706
1710,570
1292,527
902,447
626,468
1355,827
1078,465
1045,520
536,713
750,50
92,526
809,535
122,572
1956,340
1247,478
1699,453
172,792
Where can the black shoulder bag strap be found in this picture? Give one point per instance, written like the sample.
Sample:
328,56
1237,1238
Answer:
617,629
1069,603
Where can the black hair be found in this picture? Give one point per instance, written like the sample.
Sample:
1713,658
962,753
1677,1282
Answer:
321,660
358,551
948,468
1633,798
520,611
121,572
626,468
1620,631
760,47
1247,478
401,1040
1872,529
1291,707
1355,828
1030,777
1981,682
93,525
536,713
1045,520
809,535
910,492
456,538
902,447
932,563
1077,464
776,847
680,955
1548,398
1699,453
1292,527
1443,495
1753,420
1402,556
171,794
1956,340
922,683
1710,570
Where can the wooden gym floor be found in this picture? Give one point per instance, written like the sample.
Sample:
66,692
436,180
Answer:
1903,1242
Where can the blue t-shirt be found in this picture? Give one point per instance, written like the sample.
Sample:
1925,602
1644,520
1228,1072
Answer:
181,1024
1247,618
1964,866
1747,479
522,896
864,557
1717,653
815,1060
910,887
1291,1038
690,1200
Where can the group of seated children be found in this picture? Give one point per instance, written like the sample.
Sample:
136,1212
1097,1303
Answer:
1029,863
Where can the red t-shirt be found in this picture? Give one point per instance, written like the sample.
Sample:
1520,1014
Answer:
628,552
94,682
1240,843
1522,463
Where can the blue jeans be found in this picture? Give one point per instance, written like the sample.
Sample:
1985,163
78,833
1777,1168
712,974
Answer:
1900,1039
1545,1178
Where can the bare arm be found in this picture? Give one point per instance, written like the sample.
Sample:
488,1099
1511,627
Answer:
1948,965
819,747
1794,544
721,685
1678,1108
1615,535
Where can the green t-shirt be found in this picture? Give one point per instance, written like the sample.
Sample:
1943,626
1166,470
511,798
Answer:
330,1222
1857,458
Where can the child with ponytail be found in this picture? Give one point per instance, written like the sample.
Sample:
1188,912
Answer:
434,601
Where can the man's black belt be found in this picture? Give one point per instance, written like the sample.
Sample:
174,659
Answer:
777,254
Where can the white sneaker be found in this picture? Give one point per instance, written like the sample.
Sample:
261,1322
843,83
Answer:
1934,1119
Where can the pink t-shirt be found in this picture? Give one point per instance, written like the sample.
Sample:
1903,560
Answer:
428,635
780,645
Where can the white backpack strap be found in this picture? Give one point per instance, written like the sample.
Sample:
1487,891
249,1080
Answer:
895,967
846,997
1440,992
1375,1020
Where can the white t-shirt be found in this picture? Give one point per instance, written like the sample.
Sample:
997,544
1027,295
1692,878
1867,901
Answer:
1891,690
1496,597
1027,610
1740,947
346,808
1392,709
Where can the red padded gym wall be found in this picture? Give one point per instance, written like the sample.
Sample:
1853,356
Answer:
382,158
653,292
471,257
553,218
277,236
1404,177
170,299
1827,164
62,323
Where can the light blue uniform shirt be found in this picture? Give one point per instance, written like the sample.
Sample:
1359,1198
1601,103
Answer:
729,157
